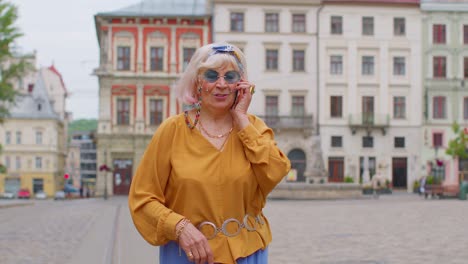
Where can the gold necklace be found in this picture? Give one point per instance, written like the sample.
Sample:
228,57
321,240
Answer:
214,136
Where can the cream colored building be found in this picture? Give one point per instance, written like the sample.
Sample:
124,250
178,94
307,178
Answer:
371,90
279,39
445,74
33,139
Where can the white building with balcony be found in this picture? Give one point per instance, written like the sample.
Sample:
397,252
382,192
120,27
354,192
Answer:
370,90
445,70
279,40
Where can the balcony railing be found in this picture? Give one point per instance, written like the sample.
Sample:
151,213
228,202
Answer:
289,122
369,121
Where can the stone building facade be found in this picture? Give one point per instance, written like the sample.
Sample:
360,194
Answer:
371,90
143,50
34,135
279,39
445,70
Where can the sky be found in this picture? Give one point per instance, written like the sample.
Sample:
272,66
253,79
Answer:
63,33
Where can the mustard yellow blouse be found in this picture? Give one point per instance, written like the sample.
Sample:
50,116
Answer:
183,175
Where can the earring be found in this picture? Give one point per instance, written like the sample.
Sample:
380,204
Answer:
197,113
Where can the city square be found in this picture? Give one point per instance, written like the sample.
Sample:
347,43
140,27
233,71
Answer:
323,101
397,228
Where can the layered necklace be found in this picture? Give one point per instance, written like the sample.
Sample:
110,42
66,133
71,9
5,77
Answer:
214,136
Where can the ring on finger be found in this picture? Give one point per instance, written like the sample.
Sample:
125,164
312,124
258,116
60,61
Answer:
252,89
190,255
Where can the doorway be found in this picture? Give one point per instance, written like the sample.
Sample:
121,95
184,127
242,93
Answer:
298,162
399,172
335,169
122,176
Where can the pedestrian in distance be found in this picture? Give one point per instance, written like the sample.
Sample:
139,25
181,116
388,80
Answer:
203,181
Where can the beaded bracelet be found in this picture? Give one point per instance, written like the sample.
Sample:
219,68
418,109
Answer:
183,224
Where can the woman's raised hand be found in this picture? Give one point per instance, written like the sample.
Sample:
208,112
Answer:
244,97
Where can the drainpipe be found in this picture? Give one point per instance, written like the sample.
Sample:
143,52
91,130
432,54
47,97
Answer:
318,70
212,21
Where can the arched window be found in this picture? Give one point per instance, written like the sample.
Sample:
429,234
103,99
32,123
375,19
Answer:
298,162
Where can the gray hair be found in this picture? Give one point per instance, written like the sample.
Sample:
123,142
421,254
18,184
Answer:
205,58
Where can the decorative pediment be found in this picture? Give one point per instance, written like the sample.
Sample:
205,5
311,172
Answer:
123,90
159,90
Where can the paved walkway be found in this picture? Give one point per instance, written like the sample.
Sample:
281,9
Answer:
394,229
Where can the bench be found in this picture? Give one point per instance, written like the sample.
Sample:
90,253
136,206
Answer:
439,190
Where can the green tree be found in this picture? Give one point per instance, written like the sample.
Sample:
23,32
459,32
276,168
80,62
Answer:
457,146
12,66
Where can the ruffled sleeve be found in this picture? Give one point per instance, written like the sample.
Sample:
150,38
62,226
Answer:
268,162
146,200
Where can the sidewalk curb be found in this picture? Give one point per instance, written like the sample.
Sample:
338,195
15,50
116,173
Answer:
15,205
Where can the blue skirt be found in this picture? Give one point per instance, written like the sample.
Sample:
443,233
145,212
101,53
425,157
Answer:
169,254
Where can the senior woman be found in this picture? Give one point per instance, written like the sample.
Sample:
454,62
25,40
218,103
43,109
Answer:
201,185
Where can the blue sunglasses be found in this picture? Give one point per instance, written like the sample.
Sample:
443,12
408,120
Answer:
230,77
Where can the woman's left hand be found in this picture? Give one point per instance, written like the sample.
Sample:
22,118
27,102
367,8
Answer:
244,97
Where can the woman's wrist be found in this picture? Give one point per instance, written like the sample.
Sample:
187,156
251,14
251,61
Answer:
241,119
180,226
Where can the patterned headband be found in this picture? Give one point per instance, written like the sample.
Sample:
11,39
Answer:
230,50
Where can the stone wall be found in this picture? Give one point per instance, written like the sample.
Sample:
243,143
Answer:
328,191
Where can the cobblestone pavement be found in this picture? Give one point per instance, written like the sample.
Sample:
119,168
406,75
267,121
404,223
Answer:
398,228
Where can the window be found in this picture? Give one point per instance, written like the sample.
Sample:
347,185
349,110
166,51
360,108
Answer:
272,59
297,107
438,107
18,163
299,23
367,26
271,105
237,22
187,56
336,106
336,25
399,67
440,65
399,142
336,65
367,65
123,58
271,22
367,142
399,107
337,141
38,137
465,108
368,110
156,111
399,26
18,137
7,162
38,185
123,111
465,34
157,59
271,109
7,137
38,163
465,67
298,60
438,34
437,140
